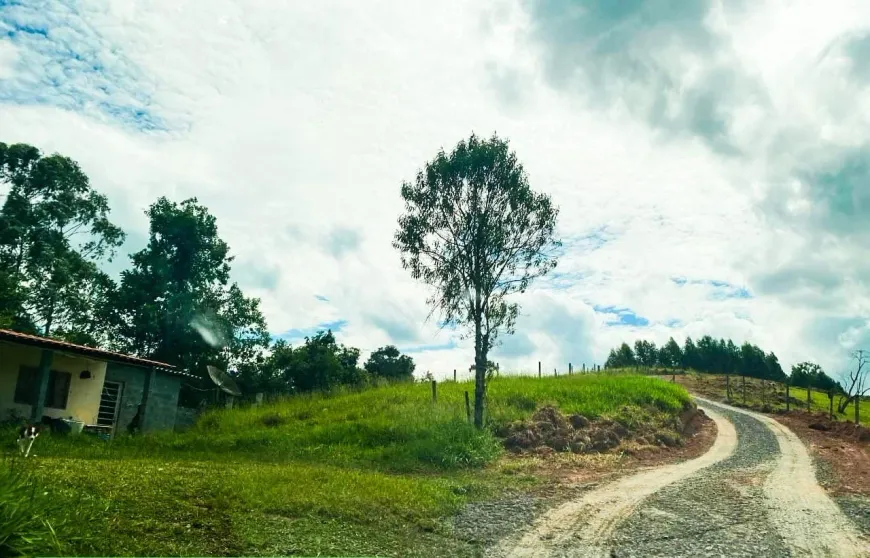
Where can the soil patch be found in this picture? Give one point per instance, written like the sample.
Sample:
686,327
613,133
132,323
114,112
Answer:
842,449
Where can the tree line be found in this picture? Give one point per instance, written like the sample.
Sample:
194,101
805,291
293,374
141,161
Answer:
720,356
176,302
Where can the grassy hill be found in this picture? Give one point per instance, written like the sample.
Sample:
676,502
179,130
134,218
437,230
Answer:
371,472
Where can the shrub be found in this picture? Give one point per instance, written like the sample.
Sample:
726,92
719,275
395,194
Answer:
24,529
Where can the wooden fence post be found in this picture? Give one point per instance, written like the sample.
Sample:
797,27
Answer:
454,374
434,391
584,367
467,407
857,415
555,373
539,369
569,369
831,399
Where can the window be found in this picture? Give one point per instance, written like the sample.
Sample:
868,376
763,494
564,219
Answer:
55,396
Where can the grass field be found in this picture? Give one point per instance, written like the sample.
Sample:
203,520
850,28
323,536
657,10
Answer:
372,472
770,395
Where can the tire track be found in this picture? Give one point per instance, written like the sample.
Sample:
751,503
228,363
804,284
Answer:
583,527
806,518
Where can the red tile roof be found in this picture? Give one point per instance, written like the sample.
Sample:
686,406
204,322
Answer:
82,350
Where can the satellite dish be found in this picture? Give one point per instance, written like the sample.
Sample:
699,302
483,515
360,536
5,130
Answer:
223,381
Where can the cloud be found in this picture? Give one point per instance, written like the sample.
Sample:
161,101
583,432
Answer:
8,58
675,140
342,240
71,65
663,61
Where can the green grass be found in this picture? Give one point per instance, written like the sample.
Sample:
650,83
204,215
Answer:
371,472
772,395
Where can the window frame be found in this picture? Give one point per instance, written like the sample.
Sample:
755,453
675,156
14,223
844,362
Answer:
55,398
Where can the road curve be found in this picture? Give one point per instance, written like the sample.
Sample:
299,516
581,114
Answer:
582,527
754,493
805,517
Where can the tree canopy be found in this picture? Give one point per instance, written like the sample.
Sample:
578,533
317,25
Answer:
474,230
176,304
707,355
54,231
387,362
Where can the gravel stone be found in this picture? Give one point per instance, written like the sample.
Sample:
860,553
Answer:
719,511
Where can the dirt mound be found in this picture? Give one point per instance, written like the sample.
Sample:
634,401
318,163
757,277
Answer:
549,430
822,422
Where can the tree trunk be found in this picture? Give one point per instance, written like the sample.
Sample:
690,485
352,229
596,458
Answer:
841,407
857,416
479,376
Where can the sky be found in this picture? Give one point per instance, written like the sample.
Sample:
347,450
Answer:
710,159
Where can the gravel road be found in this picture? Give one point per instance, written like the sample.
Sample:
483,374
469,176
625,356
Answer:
753,494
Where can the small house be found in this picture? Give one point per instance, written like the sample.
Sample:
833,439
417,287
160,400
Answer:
42,377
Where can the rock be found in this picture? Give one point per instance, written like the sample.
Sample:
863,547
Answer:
578,421
820,426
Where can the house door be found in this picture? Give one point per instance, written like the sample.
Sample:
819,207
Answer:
109,403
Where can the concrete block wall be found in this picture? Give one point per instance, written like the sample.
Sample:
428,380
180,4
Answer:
162,403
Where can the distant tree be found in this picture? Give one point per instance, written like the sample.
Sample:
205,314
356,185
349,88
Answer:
623,357
773,370
388,363
707,354
321,363
54,230
671,355
475,231
752,361
646,353
690,355
732,357
177,304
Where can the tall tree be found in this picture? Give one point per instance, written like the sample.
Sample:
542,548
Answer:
671,355
645,353
177,304
690,355
773,370
54,230
475,231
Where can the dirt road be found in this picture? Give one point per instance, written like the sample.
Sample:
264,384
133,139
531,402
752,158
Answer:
753,494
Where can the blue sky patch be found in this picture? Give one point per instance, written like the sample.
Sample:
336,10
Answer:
432,347
721,290
624,316
64,62
298,334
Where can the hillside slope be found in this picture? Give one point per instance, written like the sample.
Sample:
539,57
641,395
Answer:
372,472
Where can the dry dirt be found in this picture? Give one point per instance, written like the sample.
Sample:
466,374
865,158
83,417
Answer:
845,456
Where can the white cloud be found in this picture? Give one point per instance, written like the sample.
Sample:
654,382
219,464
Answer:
296,124
8,58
